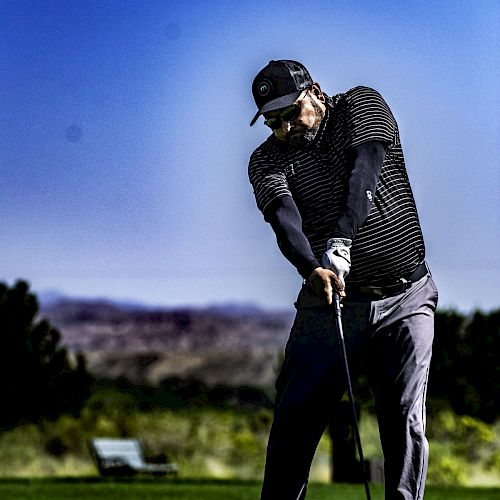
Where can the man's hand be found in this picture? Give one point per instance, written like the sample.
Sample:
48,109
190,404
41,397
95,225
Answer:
325,283
337,257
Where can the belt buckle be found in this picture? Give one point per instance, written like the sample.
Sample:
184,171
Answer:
399,287
405,284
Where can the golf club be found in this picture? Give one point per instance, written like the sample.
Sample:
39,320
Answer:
340,334
301,491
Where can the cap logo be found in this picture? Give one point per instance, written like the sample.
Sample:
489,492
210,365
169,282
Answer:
264,87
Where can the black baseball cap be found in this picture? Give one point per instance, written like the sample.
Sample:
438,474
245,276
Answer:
278,85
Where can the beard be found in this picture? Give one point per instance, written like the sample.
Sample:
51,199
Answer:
300,135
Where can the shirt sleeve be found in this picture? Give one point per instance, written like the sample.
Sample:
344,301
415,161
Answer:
285,219
268,179
367,160
368,117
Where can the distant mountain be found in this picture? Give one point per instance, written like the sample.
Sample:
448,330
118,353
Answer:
235,309
237,343
52,297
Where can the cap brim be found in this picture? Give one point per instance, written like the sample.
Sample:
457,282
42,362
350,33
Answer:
280,102
255,117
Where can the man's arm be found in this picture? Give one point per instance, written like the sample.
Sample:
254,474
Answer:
284,217
365,164
366,160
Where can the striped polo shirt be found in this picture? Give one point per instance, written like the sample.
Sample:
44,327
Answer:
389,244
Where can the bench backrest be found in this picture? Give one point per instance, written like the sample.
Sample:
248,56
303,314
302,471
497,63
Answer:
128,450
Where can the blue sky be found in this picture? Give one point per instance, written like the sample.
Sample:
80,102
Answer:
125,140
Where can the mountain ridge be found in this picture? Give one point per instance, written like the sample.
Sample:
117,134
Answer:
226,343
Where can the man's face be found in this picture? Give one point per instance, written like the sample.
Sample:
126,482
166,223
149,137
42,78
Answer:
304,128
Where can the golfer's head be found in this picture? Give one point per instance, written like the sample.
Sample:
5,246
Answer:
291,103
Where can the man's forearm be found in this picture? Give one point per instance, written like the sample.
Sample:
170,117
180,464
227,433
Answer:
285,219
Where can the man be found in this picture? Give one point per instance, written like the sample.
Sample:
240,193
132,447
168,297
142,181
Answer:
331,181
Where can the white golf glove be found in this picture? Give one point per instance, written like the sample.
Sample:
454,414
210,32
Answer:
337,257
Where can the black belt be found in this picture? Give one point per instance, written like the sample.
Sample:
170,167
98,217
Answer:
388,290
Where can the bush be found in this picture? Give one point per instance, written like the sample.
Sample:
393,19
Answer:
459,444
446,468
207,442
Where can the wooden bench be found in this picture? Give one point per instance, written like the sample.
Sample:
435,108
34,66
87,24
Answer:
124,457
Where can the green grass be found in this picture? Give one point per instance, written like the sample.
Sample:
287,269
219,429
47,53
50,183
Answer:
91,489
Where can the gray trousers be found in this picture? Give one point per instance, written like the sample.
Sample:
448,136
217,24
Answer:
392,338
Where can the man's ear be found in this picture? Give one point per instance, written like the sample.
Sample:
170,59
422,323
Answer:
317,92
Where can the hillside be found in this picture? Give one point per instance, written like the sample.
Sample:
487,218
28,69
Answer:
231,345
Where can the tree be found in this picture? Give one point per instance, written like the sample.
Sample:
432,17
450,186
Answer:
464,369
479,381
36,376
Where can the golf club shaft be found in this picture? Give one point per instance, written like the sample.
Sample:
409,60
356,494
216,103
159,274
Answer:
340,334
